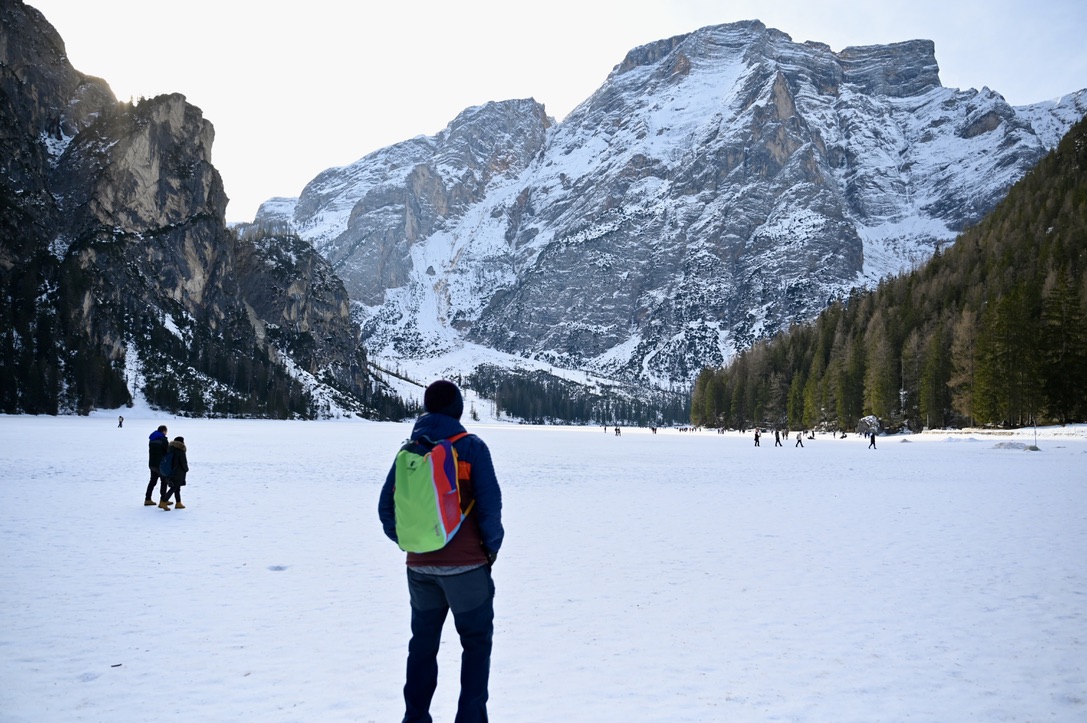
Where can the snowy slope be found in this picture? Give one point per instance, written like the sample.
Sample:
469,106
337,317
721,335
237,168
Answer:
717,187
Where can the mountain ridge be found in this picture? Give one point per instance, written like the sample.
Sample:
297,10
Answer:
719,186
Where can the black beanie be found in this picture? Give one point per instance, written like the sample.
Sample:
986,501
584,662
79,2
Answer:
443,397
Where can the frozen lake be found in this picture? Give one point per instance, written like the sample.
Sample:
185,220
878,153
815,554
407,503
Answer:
669,577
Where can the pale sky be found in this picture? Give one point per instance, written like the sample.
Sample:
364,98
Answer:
293,88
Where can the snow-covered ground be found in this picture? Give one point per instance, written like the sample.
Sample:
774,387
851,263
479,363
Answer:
671,577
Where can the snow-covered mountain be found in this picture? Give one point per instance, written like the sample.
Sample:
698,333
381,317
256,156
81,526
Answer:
719,186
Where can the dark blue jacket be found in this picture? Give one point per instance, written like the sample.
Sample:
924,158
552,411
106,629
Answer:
487,512
157,446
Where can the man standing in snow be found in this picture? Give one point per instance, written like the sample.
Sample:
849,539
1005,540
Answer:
872,443
157,444
458,576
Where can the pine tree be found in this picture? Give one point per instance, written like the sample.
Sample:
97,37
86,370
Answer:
815,402
796,403
1064,356
963,364
934,395
880,387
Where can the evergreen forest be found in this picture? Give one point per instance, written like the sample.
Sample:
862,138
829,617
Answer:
989,332
542,398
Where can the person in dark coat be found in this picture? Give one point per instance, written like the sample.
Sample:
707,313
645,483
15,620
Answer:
872,443
157,444
458,576
177,477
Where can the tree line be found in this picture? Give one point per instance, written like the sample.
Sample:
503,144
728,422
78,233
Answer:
541,398
990,332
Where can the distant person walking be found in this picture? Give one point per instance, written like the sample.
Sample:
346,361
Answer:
178,473
456,577
872,443
799,439
120,422
756,437
777,438
157,444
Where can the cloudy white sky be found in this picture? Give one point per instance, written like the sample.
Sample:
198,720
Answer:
293,88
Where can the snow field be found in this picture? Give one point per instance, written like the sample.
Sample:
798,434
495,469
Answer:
670,577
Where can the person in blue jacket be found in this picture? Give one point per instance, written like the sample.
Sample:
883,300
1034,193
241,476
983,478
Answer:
458,576
157,445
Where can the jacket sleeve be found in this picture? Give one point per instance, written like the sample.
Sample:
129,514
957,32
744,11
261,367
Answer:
488,496
386,508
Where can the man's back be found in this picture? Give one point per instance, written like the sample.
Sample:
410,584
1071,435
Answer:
456,577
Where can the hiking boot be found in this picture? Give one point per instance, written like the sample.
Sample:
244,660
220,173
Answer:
179,506
148,503
164,505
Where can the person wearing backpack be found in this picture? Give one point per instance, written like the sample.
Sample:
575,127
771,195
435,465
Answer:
179,469
457,576
157,445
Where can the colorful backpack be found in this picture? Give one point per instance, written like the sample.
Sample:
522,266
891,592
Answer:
427,494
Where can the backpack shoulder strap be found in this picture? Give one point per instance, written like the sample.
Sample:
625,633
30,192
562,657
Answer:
464,469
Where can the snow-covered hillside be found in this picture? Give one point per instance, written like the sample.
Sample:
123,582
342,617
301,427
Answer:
717,187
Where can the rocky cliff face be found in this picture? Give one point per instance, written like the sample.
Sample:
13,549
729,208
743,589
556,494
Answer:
365,218
120,279
719,186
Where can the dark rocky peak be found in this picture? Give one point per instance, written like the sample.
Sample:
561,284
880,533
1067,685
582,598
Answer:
116,262
898,70
57,100
144,167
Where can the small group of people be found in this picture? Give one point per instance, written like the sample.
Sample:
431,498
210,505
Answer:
777,438
158,446
870,436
